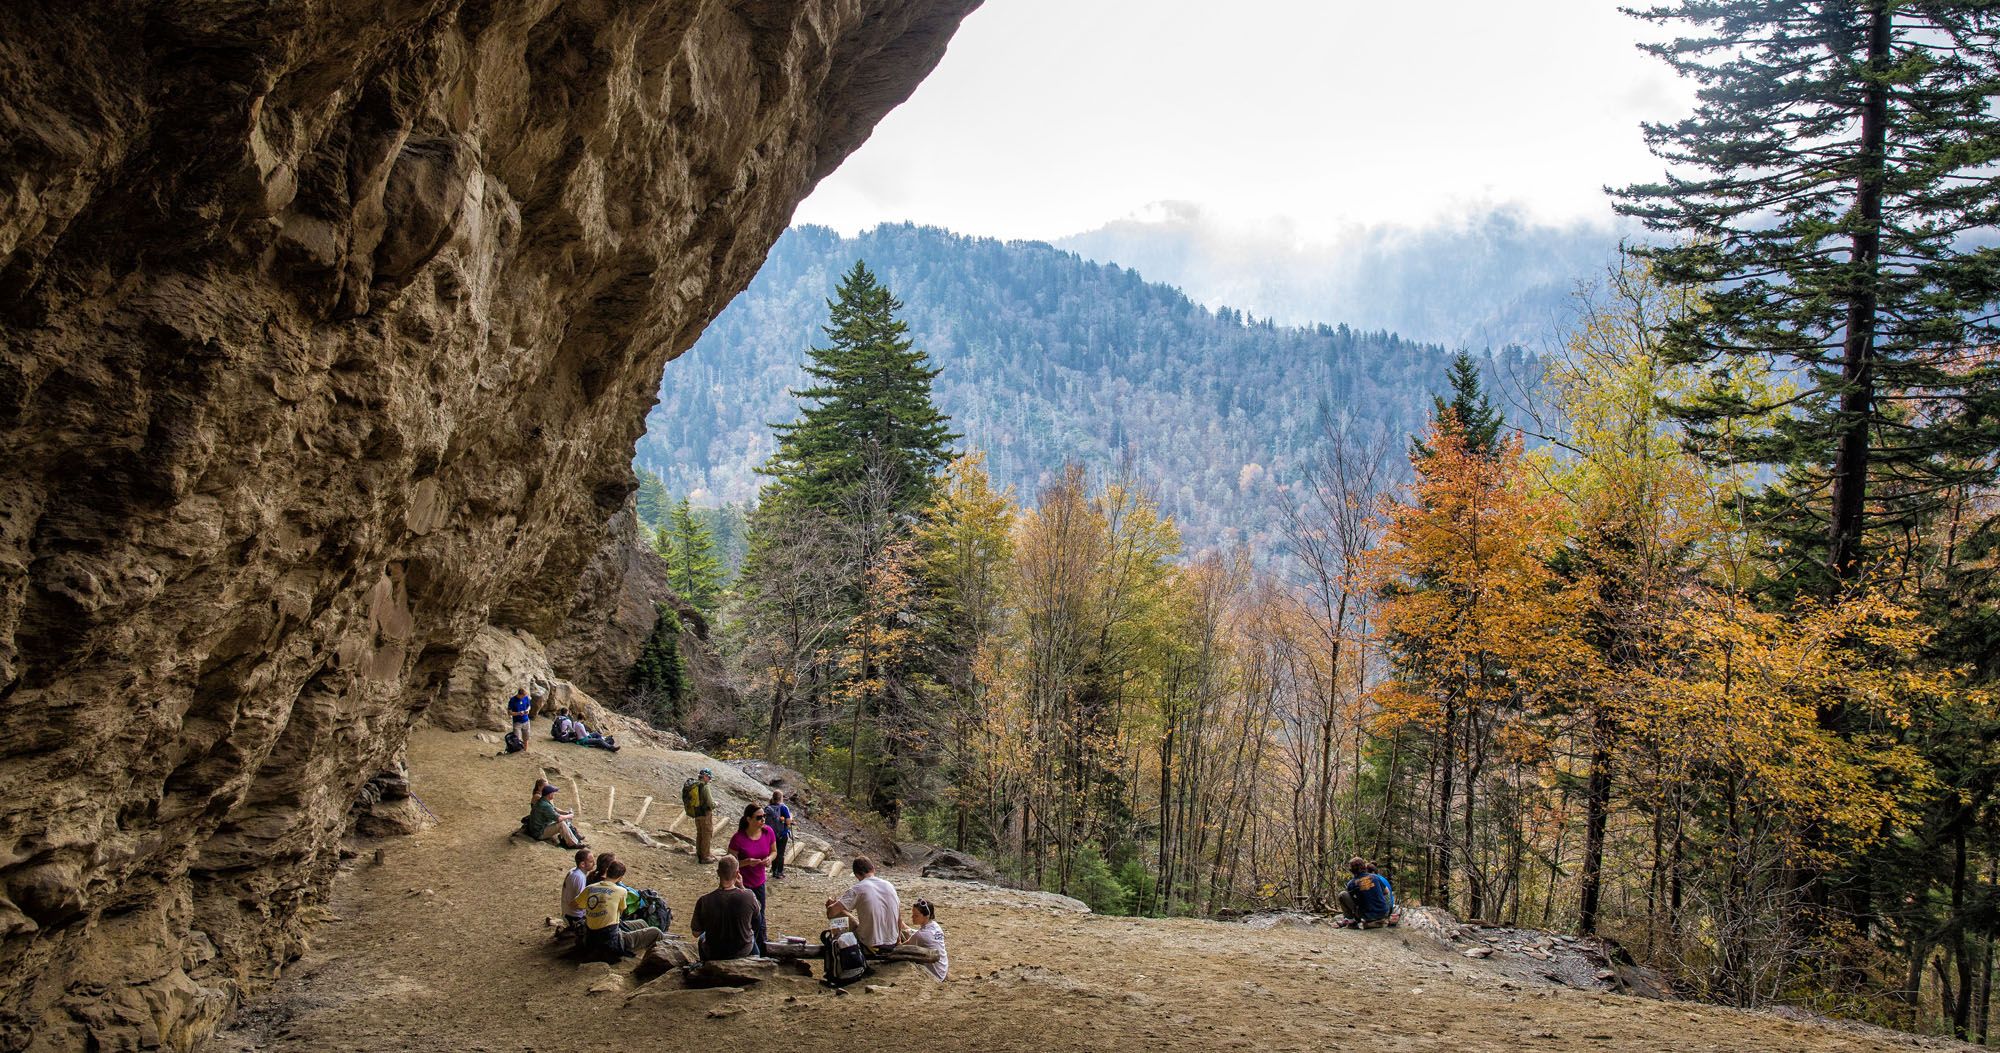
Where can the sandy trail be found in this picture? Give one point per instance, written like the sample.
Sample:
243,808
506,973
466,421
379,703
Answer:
443,947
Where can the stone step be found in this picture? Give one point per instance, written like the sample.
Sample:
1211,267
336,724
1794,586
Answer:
811,860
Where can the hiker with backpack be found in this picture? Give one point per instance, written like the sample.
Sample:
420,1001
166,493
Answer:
1365,900
873,906
549,823
604,904
725,920
924,932
753,844
700,806
1388,890
779,818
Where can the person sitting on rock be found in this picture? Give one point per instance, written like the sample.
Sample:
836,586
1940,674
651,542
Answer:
573,885
604,904
1388,890
1365,900
549,823
873,906
725,920
564,729
924,932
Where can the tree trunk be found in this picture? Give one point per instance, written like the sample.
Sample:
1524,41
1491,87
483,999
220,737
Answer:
1597,811
1857,374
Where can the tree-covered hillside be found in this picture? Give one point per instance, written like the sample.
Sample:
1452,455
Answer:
1048,358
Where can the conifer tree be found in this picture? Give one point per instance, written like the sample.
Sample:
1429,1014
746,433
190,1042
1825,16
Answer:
651,499
692,568
1832,187
659,678
1468,413
870,396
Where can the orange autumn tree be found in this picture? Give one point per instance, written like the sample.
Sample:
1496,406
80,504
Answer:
1482,633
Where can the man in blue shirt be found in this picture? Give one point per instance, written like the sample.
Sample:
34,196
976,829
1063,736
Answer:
517,707
779,818
1366,899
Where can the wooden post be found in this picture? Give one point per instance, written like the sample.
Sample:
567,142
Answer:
610,802
576,794
641,817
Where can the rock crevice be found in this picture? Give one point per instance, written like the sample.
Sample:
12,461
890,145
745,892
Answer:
326,331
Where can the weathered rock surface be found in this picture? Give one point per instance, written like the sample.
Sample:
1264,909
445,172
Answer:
327,332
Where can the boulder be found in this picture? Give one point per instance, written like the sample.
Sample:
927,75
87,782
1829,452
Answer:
664,956
959,866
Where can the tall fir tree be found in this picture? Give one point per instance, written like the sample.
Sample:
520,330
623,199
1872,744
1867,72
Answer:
1468,413
692,568
651,499
658,680
1834,193
869,408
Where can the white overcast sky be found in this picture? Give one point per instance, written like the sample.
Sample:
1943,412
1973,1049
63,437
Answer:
1050,117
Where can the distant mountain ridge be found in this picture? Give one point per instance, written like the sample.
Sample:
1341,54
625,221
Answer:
1487,280
1049,358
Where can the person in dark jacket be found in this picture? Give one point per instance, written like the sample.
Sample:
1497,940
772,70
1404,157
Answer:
1365,900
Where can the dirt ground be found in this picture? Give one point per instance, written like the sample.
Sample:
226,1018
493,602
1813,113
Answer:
443,946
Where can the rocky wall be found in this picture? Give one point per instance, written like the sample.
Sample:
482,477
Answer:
326,330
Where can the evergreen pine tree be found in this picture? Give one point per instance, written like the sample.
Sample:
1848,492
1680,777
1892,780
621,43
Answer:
870,397
651,499
1833,188
1468,414
659,678
692,568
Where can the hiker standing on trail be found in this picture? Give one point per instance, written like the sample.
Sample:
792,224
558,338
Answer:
1365,900
700,805
517,708
573,886
779,819
604,904
753,844
725,920
874,906
924,932
549,823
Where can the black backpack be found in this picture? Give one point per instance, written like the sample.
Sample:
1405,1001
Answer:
653,910
842,964
515,743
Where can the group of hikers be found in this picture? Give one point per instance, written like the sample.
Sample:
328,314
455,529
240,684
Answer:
1368,901
607,916
562,728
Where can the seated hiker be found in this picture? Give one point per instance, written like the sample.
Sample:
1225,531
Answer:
573,885
874,907
1388,889
1365,900
725,920
604,903
549,823
587,737
924,932
564,729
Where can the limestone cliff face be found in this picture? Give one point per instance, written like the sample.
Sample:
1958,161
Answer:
328,329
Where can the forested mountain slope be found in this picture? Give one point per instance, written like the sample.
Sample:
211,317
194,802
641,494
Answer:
1049,358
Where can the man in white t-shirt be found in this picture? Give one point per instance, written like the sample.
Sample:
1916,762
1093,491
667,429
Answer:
874,907
573,886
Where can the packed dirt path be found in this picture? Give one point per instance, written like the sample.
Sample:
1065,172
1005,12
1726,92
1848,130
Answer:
443,946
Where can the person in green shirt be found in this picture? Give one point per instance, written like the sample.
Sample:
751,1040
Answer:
549,823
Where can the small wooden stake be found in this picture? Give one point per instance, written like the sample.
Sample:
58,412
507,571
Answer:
641,817
576,794
610,802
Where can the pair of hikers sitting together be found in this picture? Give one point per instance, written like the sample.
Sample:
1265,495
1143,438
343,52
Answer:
607,916
1368,901
573,730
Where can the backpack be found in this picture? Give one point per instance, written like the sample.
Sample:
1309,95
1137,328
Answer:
515,743
653,910
691,798
842,960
